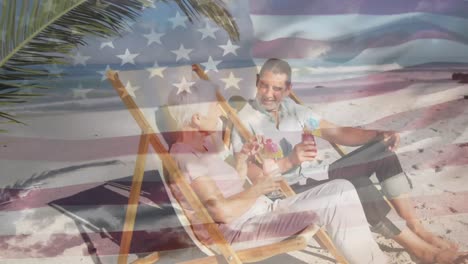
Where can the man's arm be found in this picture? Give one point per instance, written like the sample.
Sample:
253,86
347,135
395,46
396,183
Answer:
351,136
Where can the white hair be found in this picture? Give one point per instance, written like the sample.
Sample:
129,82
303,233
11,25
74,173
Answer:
182,106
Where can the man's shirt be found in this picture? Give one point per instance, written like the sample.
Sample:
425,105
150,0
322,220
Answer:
293,118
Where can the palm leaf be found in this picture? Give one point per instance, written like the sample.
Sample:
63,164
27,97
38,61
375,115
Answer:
35,33
212,9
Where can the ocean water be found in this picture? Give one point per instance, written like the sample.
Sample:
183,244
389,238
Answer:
96,94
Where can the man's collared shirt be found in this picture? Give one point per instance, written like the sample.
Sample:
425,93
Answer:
292,120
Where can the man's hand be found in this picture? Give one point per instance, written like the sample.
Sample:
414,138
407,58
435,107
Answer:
304,151
391,139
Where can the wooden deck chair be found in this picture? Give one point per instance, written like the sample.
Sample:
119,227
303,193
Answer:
320,236
224,250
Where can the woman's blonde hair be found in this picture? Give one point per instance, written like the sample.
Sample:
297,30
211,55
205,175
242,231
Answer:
183,105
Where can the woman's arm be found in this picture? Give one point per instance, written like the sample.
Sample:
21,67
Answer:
225,210
242,165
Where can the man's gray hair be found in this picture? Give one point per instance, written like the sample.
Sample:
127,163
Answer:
183,105
277,66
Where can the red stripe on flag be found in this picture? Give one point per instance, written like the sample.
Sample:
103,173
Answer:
18,148
424,117
52,245
434,158
370,7
49,245
324,94
298,48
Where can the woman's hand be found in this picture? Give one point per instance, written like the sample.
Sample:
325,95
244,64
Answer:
249,149
266,185
253,146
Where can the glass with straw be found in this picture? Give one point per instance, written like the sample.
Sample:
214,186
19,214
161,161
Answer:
270,154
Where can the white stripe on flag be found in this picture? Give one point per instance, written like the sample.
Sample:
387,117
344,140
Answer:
333,27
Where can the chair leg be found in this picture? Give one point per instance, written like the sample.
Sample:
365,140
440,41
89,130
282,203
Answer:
325,242
151,258
132,205
206,260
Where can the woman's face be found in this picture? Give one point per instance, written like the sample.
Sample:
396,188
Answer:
210,122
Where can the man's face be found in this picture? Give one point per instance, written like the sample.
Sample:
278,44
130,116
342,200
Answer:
271,89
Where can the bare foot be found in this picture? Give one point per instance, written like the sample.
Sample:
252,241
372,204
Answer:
432,239
440,257
462,259
422,250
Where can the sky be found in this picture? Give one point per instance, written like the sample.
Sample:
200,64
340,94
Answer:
322,40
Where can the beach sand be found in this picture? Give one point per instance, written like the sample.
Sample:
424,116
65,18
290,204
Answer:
68,152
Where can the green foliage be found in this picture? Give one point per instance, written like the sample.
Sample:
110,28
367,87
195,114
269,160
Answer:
36,33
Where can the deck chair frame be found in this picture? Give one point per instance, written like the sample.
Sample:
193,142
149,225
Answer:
227,253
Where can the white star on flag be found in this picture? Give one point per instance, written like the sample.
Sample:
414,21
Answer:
103,73
153,37
229,48
131,89
101,4
208,31
183,86
211,64
127,57
182,52
107,44
53,69
80,92
231,81
156,70
148,4
80,59
178,20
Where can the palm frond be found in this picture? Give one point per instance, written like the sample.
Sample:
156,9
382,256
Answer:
212,9
44,32
36,33
40,32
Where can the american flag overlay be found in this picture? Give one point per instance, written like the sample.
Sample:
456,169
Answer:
378,64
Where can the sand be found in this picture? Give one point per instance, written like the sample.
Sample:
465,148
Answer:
63,152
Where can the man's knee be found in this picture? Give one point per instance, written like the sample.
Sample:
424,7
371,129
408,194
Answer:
396,186
341,184
344,189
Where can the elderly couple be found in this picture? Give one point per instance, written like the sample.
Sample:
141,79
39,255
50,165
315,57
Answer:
339,196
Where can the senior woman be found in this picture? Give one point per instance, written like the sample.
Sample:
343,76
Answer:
246,217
